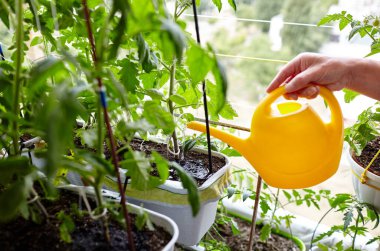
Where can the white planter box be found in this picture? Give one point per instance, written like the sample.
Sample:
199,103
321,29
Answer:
156,218
170,199
364,192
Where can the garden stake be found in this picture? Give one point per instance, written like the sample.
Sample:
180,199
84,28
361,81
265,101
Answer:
17,77
204,93
103,100
254,215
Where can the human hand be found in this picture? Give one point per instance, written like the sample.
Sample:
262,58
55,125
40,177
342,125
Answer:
303,75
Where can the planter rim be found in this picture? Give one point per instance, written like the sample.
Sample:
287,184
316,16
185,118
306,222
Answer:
114,196
358,169
300,244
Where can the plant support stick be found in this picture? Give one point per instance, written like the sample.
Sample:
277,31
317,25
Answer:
17,78
109,128
204,93
254,215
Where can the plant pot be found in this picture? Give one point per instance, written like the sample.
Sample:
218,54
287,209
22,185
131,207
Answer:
171,199
369,191
156,218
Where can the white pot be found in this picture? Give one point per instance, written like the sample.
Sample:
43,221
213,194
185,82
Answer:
171,199
156,218
365,192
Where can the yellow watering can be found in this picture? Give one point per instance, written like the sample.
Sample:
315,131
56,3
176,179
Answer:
291,149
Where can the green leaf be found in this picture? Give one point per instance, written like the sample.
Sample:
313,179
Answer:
155,94
36,41
353,32
349,95
157,116
246,194
287,195
231,152
189,184
348,217
329,19
375,48
147,58
43,70
161,165
264,206
178,99
230,191
12,199
218,3
340,199
343,23
232,4
188,145
199,63
138,169
66,227
128,75
265,232
234,227
12,169
143,220
149,80
221,83
173,38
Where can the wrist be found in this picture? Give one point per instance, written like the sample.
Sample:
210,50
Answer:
365,75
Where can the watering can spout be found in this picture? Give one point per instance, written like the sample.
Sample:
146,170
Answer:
235,142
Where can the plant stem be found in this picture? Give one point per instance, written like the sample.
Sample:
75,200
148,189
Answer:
356,232
319,222
254,215
17,82
99,118
109,128
275,206
104,219
171,107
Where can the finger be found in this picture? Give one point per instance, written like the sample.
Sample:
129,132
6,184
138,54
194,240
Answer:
335,86
309,92
290,69
291,96
301,81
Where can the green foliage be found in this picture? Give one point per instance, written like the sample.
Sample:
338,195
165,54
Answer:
139,169
142,220
57,97
66,227
155,114
356,217
364,130
16,179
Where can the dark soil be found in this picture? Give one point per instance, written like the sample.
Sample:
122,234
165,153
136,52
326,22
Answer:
240,242
21,234
194,163
367,154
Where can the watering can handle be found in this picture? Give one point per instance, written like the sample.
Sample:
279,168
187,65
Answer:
336,113
336,122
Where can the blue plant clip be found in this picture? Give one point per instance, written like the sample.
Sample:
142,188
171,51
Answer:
1,53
